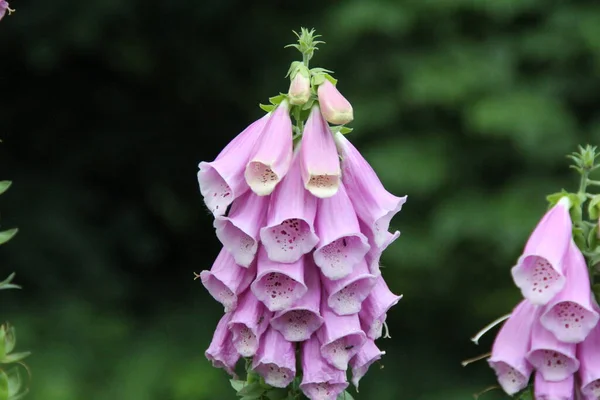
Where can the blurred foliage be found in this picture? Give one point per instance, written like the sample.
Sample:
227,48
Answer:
467,106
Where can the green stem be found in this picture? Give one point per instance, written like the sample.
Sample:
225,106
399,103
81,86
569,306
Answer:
305,59
592,182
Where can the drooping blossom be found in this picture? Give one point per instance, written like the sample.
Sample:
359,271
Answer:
4,7
221,351
239,230
272,154
321,172
320,381
554,390
226,280
335,108
360,363
510,349
539,272
588,354
248,322
570,315
289,232
341,244
373,204
222,180
346,295
275,360
373,312
373,256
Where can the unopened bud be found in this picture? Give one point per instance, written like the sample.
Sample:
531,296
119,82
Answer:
334,107
299,92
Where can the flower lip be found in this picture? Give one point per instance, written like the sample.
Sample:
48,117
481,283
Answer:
297,324
346,295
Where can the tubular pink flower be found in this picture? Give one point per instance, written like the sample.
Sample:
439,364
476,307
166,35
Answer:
549,390
272,155
341,337
222,180
299,91
347,294
221,352
226,280
570,315
588,353
539,270
335,108
554,359
239,230
320,162
275,360
320,381
302,319
374,309
248,322
278,285
361,362
3,8
374,205
373,256
290,231
510,348
341,244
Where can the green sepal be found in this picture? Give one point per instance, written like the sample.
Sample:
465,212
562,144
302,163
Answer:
554,198
15,384
293,67
2,342
344,130
267,107
276,100
3,385
276,394
525,394
331,79
308,105
10,338
317,80
237,384
596,290
8,234
579,237
6,284
318,70
250,390
12,358
592,238
4,185
594,207
345,396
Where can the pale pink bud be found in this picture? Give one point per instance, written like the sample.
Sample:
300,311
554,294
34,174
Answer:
334,107
299,92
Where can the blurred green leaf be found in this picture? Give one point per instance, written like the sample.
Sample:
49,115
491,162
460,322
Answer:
5,236
4,185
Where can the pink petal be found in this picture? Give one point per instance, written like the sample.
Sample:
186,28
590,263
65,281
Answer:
375,307
341,244
554,359
373,256
511,346
346,295
548,390
226,280
341,337
221,351
290,231
275,360
239,230
588,353
248,322
374,205
278,285
539,271
570,315
320,381
321,171
302,319
360,363
272,155
222,180
335,108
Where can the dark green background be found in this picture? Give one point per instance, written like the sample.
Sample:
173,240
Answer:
106,107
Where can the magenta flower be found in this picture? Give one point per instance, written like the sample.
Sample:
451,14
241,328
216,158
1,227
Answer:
341,244
320,162
549,390
278,285
275,360
248,322
554,359
539,271
570,316
222,180
335,108
239,230
360,363
298,322
290,232
511,346
226,280
588,353
341,337
299,91
221,351
320,381
374,205
272,154
374,309
346,295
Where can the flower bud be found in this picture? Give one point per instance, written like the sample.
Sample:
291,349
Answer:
334,107
299,92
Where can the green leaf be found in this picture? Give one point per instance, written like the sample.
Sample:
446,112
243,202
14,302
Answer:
555,197
294,66
275,100
252,389
5,236
252,397
345,396
3,386
6,284
276,394
267,108
11,358
4,185
579,238
331,79
237,385
594,207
